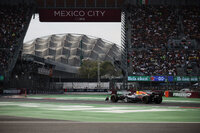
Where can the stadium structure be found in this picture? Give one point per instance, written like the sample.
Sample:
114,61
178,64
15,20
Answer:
66,51
160,51
159,40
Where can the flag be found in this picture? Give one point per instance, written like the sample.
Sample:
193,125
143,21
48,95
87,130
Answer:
144,2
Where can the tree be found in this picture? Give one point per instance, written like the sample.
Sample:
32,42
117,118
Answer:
107,69
89,69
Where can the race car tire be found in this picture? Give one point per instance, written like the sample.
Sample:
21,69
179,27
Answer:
114,98
125,100
129,100
158,100
145,99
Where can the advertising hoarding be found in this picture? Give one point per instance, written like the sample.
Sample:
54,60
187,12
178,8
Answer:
165,78
80,15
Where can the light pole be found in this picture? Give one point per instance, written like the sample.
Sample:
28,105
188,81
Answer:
98,73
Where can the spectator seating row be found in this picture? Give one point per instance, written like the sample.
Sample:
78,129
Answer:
12,25
164,40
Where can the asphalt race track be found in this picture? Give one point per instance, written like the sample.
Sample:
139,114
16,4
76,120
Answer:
9,124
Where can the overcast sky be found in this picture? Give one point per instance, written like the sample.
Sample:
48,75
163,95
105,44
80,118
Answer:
108,31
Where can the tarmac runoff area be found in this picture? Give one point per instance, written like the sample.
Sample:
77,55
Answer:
20,124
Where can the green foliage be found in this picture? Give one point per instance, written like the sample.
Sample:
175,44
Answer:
89,69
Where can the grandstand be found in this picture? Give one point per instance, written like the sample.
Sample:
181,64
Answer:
159,45
160,39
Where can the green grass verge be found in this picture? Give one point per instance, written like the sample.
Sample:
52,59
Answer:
100,97
181,99
99,113
96,97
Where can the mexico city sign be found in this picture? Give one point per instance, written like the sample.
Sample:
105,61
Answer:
80,15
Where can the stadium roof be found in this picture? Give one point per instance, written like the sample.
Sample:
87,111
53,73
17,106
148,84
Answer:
67,49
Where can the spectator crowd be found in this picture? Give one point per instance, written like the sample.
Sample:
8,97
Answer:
190,20
12,22
156,62
153,29
153,26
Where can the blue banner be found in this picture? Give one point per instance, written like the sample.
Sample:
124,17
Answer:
157,78
170,78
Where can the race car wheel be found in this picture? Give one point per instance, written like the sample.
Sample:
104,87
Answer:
114,98
145,99
158,100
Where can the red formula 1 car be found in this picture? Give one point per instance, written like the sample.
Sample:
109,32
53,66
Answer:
138,96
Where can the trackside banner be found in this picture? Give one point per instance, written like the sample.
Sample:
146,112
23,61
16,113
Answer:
187,94
165,78
80,15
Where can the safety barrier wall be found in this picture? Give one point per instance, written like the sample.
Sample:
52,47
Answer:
85,90
23,91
